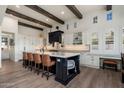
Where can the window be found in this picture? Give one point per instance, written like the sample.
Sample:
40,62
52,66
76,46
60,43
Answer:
4,41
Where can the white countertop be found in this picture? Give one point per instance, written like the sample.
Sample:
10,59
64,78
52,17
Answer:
71,48
112,56
61,54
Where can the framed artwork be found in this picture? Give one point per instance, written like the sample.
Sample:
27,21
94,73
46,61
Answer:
77,38
109,40
95,41
109,15
95,19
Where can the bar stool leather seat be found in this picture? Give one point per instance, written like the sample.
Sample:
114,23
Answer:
112,63
48,63
30,60
38,63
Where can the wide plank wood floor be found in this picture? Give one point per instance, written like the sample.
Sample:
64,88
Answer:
14,75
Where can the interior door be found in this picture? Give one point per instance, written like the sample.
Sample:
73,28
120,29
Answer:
5,48
8,46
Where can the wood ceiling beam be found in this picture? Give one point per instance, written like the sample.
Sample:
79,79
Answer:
45,13
75,11
108,7
9,11
27,25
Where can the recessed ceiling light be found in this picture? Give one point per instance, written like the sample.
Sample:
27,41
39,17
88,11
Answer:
62,12
17,6
47,19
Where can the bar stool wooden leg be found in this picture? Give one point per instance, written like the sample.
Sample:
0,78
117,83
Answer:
31,65
26,63
43,72
47,73
103,66
23,64
38,68
35,67
116,68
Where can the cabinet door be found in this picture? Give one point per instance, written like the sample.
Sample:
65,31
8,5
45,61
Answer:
82,59
59,69
88,60
95,61
92,60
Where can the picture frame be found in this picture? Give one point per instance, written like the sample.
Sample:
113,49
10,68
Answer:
77,38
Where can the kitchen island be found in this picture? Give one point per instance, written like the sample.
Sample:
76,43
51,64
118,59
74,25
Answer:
63,75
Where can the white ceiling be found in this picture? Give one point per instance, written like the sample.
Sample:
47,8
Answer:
89,8
55,10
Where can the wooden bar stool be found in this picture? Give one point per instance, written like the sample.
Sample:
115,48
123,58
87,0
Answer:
122,61
111,63
25,60
38,63
30,60
48,63
122,67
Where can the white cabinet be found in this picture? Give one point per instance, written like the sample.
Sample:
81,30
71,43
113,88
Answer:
88,60
91,61
95,61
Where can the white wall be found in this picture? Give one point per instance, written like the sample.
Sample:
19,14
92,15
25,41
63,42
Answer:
28,38
103,26
2,13
87,27
0,47
10,25
24,36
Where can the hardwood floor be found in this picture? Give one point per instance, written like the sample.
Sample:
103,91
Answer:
14,75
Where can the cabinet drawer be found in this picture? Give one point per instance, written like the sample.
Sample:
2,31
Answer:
92,60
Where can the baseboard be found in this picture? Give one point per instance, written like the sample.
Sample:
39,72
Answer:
20,60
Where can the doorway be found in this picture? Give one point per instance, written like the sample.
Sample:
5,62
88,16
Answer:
7,46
